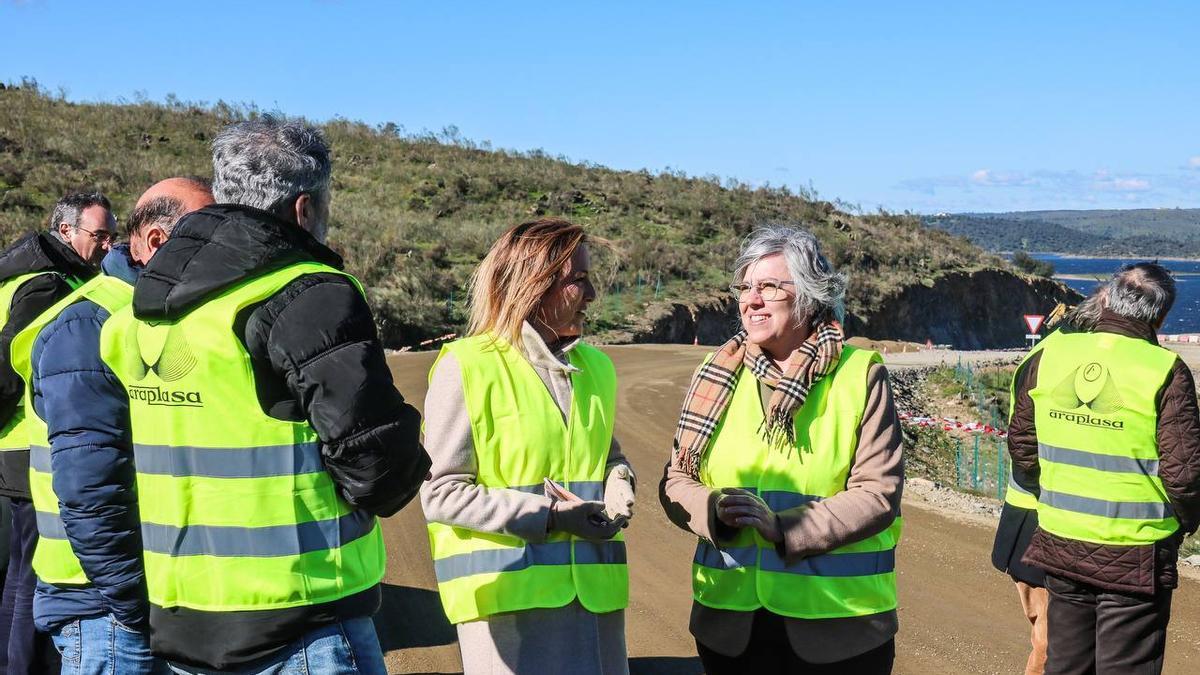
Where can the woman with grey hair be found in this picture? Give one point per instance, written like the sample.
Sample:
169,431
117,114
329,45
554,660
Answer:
787,466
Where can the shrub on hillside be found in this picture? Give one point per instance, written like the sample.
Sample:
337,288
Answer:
1030,265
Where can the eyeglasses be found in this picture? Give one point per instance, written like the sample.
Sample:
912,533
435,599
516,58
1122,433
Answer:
769,289
102,237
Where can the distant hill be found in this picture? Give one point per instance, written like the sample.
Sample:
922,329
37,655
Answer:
1170,224
1145,232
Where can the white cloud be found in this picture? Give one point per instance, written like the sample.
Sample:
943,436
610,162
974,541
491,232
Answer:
1194,162
990,178
1003,190
1103,180
981,177
1131,184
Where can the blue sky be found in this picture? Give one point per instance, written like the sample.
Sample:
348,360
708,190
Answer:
926,106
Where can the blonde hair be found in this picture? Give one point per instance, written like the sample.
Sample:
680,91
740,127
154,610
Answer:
516,274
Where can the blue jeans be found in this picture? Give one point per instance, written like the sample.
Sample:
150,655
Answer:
347,648
22,648
102,646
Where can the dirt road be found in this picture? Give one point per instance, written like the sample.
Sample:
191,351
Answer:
957,614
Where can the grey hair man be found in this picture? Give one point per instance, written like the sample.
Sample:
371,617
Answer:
36,272
1105,431
278,166
85,222
1141,292
1018,518
251,274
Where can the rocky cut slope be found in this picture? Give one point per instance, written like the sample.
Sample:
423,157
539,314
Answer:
978,309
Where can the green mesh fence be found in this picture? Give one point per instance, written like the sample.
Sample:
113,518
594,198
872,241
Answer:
981,463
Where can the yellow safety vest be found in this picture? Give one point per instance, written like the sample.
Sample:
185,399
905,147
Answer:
15,434
1014,494
1096,418
53,559
520,438
238,512
747,573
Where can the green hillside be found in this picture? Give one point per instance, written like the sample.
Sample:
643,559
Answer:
999,234
413,214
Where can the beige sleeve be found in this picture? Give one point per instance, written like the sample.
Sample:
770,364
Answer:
872,496
452,496
691,505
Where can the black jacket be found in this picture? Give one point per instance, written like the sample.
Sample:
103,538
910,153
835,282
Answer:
41,252
1016,529
317,357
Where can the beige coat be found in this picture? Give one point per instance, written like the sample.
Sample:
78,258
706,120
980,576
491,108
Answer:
865,508
536,640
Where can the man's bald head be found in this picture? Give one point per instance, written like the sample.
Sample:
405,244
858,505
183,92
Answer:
159,209
191,192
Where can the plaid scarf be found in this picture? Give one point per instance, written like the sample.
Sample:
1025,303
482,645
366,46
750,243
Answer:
712,388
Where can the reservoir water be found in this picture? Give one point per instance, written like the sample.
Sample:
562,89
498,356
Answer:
1184,316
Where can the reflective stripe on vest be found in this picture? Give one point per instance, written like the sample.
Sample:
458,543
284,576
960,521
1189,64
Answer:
1096,419
494,561
519,435
270,460
238,512
827,565
54,560
14,435
748,573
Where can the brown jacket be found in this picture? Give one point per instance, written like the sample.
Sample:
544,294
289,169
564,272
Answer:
867,506
1124,569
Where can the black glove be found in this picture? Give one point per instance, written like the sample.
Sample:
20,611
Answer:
582,519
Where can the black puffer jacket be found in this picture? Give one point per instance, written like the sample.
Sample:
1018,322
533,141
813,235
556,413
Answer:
41,252
316,357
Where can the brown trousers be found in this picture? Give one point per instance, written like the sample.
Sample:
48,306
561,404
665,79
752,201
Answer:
1034,602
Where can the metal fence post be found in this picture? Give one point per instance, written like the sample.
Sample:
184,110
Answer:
958,462
975,472
999,471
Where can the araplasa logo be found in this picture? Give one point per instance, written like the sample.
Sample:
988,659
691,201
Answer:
1090,387
163,350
